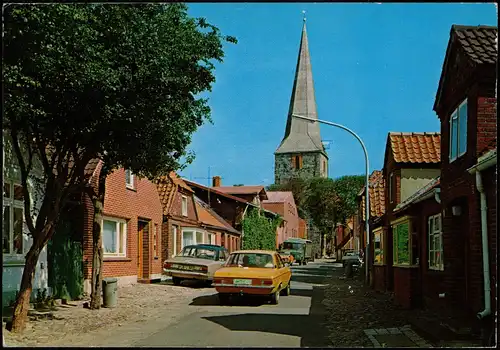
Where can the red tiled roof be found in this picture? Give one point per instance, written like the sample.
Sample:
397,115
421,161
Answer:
277,196
208,217
415,147
377,195
167,187
241,189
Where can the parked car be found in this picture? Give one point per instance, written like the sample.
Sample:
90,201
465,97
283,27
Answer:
253,272
196,262
351,257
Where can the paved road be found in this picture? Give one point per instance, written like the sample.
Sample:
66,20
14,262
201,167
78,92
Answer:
295,322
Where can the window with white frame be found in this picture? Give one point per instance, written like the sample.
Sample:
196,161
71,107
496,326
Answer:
13,218
458,131
435,243
129,179
184,206
114,236
192,236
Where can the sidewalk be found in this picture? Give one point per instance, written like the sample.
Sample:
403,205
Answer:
359,316
73,325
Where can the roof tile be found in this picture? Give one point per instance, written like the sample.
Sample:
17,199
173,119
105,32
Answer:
415,147
481,40
377,195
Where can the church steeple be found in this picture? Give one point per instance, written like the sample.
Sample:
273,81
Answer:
301,135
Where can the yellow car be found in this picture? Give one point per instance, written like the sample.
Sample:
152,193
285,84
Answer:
253,272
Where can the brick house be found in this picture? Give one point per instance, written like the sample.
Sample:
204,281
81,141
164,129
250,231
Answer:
466,107
302,228
421,285
252,194
283,203
131,228
377,214
179,214
230,208
411,161
218,228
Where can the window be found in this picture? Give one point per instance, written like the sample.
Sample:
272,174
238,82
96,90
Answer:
402,242
174,240
13,218
184,206
458,131
191,237
187,238
114,237
378,246
211,238
391,184
297,161
435,243
129,179
155,241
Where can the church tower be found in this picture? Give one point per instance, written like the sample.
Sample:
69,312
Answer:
301,152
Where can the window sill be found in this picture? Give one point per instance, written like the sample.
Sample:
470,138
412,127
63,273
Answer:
131,188
407,266
117,258
435,269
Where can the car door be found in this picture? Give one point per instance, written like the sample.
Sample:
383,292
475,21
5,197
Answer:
283,271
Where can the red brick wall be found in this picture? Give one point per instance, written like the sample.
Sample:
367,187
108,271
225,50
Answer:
288,211
379,277
405,280
176,206
486,129
142,202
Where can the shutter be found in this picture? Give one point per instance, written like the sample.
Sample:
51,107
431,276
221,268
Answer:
300,161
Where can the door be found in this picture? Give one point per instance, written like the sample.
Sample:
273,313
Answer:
143,250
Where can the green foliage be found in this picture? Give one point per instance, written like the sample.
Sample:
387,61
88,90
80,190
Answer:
117,82
66,257
259,232
347,188
323,204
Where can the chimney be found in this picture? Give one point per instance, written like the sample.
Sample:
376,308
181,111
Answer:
216,181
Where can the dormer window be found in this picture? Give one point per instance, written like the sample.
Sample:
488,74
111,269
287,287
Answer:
458,132
129,179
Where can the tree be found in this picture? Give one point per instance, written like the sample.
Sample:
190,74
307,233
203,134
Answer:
115,83
324,206
347,188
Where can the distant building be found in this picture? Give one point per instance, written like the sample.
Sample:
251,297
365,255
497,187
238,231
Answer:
301,152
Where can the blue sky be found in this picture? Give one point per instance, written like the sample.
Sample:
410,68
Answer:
376,69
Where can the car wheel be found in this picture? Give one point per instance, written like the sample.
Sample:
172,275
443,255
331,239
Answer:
208,283
275,297
286,291
176,281
223,299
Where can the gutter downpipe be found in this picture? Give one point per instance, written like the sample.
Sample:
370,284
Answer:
486,253
437,195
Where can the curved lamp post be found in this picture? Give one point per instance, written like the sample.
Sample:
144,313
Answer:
367,195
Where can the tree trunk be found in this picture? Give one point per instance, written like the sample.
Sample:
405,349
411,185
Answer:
97,250
22,304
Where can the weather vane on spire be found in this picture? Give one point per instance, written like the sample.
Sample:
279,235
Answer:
304,14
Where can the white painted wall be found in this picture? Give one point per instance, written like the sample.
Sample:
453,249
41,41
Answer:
13,264
414,179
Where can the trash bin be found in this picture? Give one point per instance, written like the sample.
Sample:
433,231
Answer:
109,291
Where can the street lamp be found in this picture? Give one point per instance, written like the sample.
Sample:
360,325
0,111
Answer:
367,195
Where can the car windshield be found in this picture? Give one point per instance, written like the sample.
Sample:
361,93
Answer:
259,260
292,246
197,252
